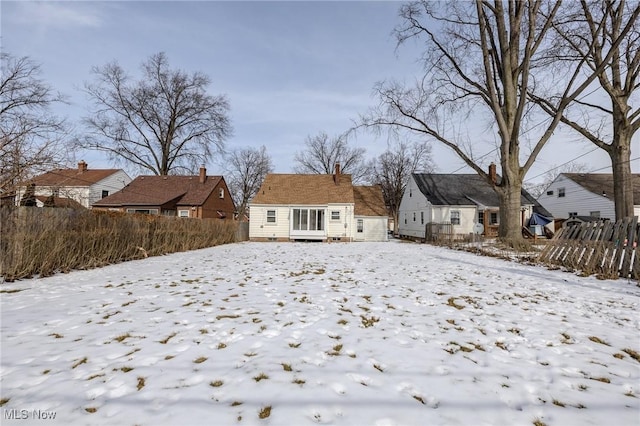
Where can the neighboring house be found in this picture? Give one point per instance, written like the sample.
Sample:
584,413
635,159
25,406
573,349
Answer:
83,185
199,197
298,207
459,200
587,195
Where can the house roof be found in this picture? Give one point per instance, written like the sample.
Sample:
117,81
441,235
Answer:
369,201
465,190
61,202
304,189
602,183
159,190
71,177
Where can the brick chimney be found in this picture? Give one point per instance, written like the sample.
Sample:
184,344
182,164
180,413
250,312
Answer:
82,166
336,176
492,173
203,174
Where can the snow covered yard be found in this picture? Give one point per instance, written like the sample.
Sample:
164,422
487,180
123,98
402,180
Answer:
341,334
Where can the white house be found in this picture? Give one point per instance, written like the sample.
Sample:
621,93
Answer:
83,185
459,200
585,195
298,207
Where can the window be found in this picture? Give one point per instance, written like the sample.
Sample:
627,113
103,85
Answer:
595,215
455,217
405,218
573,214
335,215
308,219
550,192
421,218
493,218
414,216
409,192
105,193
271,216
221,192
143,211
360,226
183,213
481,217
560,192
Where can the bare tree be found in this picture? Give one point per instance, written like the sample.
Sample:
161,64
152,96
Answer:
246,170
322,153
32,138
164,123
479,59
393,168
588,31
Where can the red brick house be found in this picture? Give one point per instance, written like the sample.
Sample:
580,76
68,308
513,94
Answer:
199,197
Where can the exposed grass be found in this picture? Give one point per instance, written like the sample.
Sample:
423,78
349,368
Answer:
122,337
141,383
452,302
419,399
80,362
601,379
216,383
286,367
4,401
222,345
91,410
95,376
336,350
368,322
538,422
558,403
598,340
200,360
378,367
236,403
633,354
294,345
219,317
260,377
56,335
126,369
169,337
264,412
299,381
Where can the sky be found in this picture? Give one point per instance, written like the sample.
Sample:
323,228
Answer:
380,334
290,69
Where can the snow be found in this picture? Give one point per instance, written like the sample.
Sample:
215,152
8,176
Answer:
372,333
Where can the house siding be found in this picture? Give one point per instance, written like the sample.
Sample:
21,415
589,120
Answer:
112,183
375,228
413,201
576,199
260,229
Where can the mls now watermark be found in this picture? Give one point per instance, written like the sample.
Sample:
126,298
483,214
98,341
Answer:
14,414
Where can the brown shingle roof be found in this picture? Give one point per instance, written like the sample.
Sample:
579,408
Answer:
369,201
158,190
61,202
72,177
600,183
304,189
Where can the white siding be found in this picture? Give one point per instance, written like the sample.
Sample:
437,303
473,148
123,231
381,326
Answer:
414,202
112,183
260,228
576,199
375,228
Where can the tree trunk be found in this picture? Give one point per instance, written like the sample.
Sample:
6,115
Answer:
509,228
620,153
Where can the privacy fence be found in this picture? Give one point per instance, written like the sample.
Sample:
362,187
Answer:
42,241
607,249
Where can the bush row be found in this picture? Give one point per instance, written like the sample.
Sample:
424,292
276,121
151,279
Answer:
43,241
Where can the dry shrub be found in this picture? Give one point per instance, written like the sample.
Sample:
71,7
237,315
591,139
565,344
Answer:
39,241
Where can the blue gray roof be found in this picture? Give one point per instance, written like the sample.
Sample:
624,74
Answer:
465,190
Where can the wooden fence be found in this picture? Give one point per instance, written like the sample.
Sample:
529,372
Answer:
607,249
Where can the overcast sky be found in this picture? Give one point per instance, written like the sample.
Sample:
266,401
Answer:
290,69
